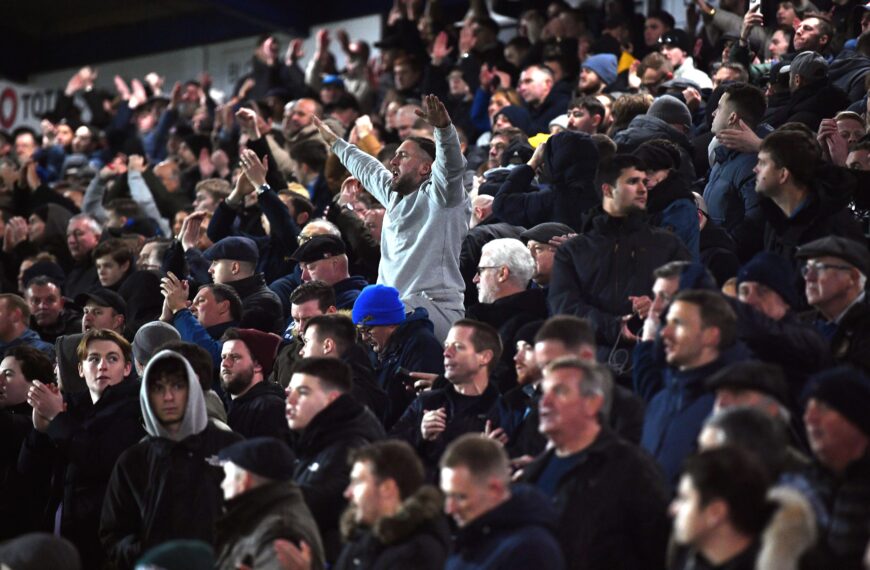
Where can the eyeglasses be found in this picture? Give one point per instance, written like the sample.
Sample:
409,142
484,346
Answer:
819,267
364,330
301,239
481,269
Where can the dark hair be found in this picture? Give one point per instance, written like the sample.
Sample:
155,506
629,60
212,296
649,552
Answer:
117,249
126,207
571,331
482,456
392,459
670,270
345,101
319,290
826,26
311,153
591,104
17,302
755,431
605,145
743,75
162,244
199,359
748,101
425,144
715,312
223,293
734,476
300,203
793,150
337,327
104,334
166,367
43,281
483,337
34,363
332,373
663,16
611,169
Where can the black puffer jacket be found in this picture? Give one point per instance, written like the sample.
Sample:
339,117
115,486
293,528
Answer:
260,412
808,105
644,128
322,470
415,538
91,437
848,72
623,498
595,272
825,213
163,490
570,160
261,307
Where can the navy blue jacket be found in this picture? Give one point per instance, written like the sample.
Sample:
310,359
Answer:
677,405
518,534
347,290
570,160
412,346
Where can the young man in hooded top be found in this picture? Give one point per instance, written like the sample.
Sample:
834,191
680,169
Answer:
164,487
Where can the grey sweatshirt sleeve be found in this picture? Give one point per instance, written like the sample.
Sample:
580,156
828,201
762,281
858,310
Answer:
140,192
92,202
367,169
448,169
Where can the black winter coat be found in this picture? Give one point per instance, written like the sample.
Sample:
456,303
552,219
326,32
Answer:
825,213
417,537
91,437
595,272
256,518
475,410
19,512
472,246
163,490
259,412
322,470
719,253
508,315
808,105
261,308
851,342
570,160
412,346
623,499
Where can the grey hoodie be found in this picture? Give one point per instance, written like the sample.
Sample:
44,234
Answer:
195,416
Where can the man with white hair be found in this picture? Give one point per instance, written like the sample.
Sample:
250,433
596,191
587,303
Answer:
506,302
835,272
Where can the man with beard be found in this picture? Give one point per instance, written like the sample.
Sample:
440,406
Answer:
428,210
257,405
506,303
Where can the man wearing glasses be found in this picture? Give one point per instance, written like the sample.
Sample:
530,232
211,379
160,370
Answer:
836,273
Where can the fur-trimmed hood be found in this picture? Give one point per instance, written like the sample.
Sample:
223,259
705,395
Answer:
790,532
423,507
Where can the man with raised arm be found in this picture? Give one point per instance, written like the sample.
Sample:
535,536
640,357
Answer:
428,211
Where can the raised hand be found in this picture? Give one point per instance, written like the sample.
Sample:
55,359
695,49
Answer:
328,134
136,163
191,230
739,138
254,169
175,292
294,52
441,48
434,112
247,119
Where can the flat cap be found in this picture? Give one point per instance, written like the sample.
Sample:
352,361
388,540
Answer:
236,248
104,298
264,456
319,247
852,252
752,375
543,233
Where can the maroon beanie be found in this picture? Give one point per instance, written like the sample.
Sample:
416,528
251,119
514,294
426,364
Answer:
263,347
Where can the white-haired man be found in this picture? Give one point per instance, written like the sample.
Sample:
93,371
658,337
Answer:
506,303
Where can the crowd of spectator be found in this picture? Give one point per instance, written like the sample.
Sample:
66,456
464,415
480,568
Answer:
593,297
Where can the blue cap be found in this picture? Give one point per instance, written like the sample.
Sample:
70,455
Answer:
774,272
235,248
267,457
378,305
330,80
